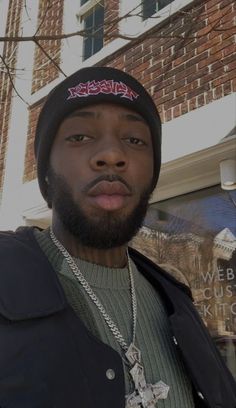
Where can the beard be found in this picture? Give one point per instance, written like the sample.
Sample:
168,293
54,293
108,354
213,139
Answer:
106,231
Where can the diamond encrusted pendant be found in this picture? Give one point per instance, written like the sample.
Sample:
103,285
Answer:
145,395
133,354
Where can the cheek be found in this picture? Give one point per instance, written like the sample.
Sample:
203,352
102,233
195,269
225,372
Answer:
144,171
67,165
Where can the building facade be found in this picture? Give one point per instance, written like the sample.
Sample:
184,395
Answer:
184,53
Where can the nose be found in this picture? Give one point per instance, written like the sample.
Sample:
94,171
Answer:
109,155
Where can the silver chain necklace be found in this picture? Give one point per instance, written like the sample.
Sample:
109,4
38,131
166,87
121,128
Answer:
145,395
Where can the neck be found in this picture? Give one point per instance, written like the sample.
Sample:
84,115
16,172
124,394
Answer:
112,257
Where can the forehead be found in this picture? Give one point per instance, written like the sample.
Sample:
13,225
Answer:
98,111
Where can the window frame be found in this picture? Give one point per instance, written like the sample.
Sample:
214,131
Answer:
157,10
92,12
82,2
129,25
85,10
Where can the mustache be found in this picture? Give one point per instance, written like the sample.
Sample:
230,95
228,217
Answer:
107,177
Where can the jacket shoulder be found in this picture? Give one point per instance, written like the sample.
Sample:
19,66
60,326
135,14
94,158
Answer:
22,236
26,274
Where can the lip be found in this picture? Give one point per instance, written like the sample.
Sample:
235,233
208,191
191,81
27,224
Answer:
109,188
109,196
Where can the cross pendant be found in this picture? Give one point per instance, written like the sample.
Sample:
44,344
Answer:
145,395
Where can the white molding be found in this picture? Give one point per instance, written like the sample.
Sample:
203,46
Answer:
43,92
199,129
135,26
194,171
82,10
34,209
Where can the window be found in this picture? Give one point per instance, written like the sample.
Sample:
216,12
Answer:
92,21
193,237
150,7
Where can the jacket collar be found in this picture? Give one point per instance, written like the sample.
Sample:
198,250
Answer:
29,286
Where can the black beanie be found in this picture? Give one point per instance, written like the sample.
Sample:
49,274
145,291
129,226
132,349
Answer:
86,87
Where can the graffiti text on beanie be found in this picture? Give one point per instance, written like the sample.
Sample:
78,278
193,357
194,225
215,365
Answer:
107,87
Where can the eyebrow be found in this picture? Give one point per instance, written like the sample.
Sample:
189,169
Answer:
88,114
133,117
82,114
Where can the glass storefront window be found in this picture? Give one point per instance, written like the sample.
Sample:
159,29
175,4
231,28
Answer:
194,238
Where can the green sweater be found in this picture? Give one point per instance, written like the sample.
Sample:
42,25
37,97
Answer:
153,337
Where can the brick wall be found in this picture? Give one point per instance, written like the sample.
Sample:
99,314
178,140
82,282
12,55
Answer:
50,17
6,88
185,63
111,20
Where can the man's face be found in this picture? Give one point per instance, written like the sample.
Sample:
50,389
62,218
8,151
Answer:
101,169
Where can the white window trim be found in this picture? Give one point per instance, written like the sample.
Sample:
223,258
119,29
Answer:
72,49
82,10
136,26
194,171
82,13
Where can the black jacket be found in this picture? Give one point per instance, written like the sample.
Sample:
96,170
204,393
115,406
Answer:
48,359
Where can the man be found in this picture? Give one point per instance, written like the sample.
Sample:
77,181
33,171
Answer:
86,321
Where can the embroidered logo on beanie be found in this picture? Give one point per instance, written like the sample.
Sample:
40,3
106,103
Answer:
105,87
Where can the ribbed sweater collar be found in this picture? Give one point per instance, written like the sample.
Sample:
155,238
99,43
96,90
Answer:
97,275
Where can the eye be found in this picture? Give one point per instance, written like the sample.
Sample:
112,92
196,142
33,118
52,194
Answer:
77,138
136,141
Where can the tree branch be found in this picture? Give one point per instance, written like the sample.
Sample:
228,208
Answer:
12,81
190,17
49,57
